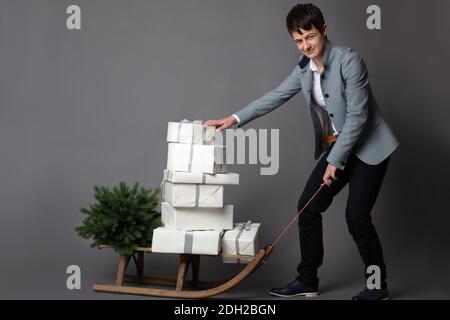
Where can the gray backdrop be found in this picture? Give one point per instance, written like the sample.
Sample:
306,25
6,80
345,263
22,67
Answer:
90,107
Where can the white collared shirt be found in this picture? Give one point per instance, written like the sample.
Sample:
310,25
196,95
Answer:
317,93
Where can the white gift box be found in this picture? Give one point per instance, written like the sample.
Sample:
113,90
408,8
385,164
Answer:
196,158
192,195
203,178
195,242
190,132
244,240
197,218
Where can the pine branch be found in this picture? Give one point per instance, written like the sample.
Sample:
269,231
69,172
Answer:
122,217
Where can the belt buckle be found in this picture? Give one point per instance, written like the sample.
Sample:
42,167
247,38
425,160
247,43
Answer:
330,139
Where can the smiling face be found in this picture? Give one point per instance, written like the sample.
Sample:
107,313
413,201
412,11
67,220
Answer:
311,42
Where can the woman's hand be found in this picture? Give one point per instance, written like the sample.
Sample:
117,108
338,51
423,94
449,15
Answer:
330,173
221,124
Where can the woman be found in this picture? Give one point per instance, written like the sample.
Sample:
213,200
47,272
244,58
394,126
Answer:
350,132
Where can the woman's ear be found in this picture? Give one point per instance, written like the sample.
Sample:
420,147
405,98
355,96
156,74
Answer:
325,30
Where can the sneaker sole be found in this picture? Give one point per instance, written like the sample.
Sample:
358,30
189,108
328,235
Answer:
305,294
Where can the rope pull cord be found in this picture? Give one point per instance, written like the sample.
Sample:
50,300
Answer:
270,247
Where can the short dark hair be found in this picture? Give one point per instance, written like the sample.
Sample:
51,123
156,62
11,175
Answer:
304,16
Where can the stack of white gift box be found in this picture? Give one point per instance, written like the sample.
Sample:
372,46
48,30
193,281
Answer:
195,219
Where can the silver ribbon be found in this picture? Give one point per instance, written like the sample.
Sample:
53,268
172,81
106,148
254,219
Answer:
162,191
197,194
190,157
199,122
192,150
246,226
188,241
179,128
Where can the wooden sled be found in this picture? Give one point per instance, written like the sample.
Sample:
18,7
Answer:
203,289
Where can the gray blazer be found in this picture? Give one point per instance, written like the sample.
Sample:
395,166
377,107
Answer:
350,105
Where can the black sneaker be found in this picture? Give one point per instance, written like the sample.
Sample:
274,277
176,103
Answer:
372,294
295,288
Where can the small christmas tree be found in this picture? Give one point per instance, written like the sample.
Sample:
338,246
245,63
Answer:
122,217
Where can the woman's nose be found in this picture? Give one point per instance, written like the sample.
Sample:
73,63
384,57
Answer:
306,46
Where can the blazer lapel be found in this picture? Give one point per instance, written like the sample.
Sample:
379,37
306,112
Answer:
307,89
308,83
307,77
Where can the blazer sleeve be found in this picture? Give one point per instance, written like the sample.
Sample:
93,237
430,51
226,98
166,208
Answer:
357,90
289,87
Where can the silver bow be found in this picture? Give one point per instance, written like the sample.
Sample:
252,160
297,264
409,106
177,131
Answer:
245,226
188,121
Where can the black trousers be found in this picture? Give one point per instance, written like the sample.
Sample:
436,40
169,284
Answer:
364,185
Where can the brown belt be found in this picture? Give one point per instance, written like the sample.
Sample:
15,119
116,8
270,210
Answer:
330,139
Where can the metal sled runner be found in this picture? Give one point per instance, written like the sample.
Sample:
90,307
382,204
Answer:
203,289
